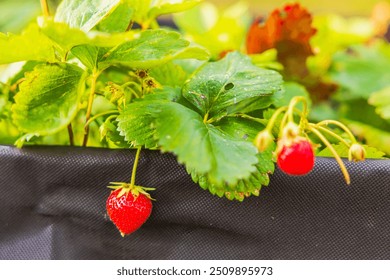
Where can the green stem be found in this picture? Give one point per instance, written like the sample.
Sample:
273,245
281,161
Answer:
95,75
293,103
135,165
274,117
45,8
337,157
71,135
245,116
342,126
332,134
99,115
205,118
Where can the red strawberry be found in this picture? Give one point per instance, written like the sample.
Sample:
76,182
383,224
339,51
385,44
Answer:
296,158
128,208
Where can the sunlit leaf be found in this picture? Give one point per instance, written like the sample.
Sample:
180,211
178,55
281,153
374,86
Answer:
220,87
48,98
30,45
84,14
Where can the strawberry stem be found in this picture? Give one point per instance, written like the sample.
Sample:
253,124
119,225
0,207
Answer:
95,75
135,165
290,111
342,140
340,125
337,157
99,115
45,8
274,117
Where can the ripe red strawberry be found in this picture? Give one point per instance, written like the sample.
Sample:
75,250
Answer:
128,208
297,158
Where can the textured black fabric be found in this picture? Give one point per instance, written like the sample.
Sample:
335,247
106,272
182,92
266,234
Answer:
52,206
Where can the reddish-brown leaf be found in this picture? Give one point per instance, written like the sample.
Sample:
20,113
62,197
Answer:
289,31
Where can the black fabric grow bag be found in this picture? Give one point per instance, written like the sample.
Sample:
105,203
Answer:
52,206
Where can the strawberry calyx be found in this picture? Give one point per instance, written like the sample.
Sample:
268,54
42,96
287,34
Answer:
126,188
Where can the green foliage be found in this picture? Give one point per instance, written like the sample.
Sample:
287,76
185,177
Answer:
152,48
30,45
381,100
218,153
84,14
361,70
48,99
218,31
219,88
342,150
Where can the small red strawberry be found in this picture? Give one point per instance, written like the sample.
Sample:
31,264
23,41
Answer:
128,207
297,157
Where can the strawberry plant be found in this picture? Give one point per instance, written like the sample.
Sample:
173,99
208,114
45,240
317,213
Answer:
102,73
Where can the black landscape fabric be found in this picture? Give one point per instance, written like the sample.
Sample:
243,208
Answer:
52,206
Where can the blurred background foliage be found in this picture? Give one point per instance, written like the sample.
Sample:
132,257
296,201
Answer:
16,13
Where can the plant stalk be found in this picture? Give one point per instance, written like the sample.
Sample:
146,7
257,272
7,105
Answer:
340,125
45,8
95,75
71,135
333,135
337,157
135,165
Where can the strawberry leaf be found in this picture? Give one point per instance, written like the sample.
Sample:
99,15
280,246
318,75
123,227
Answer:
204,148
137,122
30,45
48,98
244,187
153,48
84,14
219,87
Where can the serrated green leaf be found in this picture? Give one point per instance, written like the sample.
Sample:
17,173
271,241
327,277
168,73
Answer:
137,121
136,124
202,147
216,86
153,48
30,45
109,131
84,14
48,98
244,187
381,100
342,150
